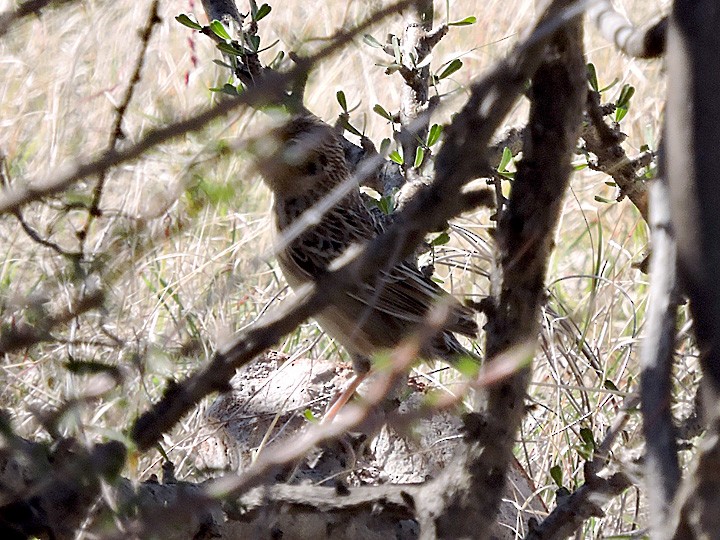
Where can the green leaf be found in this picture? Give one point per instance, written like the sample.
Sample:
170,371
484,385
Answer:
609,385
396,50
253,42
586,435
227,48
386,204
222,64
369,40
434,134
467,21
384,146
396,157
441,239
419,156
600,199
451,68
340,95
352,129
269,46
187,21
227,88
275,63
309,416
626,94
623,101
467,366
505,160
592,76
219,30
378,109
609,86
264,10
556,475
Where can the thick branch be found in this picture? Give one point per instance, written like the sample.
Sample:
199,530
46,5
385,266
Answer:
692,132
473,484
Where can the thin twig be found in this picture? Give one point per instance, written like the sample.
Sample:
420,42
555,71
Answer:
117,134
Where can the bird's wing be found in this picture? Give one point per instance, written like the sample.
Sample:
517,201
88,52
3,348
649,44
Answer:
405,293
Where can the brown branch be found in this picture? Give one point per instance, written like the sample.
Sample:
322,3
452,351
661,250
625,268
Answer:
414,48
605,143
23,335
524,234
34,235
64,485
692,154
572,510
583,504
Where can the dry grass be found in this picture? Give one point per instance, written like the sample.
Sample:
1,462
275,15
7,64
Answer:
182,240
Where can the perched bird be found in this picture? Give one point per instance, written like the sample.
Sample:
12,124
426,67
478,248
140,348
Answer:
305,163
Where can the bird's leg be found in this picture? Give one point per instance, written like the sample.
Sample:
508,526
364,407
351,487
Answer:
361,366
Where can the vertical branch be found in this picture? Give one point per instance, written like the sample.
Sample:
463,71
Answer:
414,95
693,129
472,486
662,471
525,230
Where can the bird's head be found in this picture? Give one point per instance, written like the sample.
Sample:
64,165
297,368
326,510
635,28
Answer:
299,155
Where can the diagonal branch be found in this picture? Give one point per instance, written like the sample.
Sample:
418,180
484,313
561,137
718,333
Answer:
27,8
648,42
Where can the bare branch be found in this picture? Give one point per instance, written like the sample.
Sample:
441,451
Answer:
662,470
23,335
604,142
585,503
692,129
117,133
525,235
646,42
